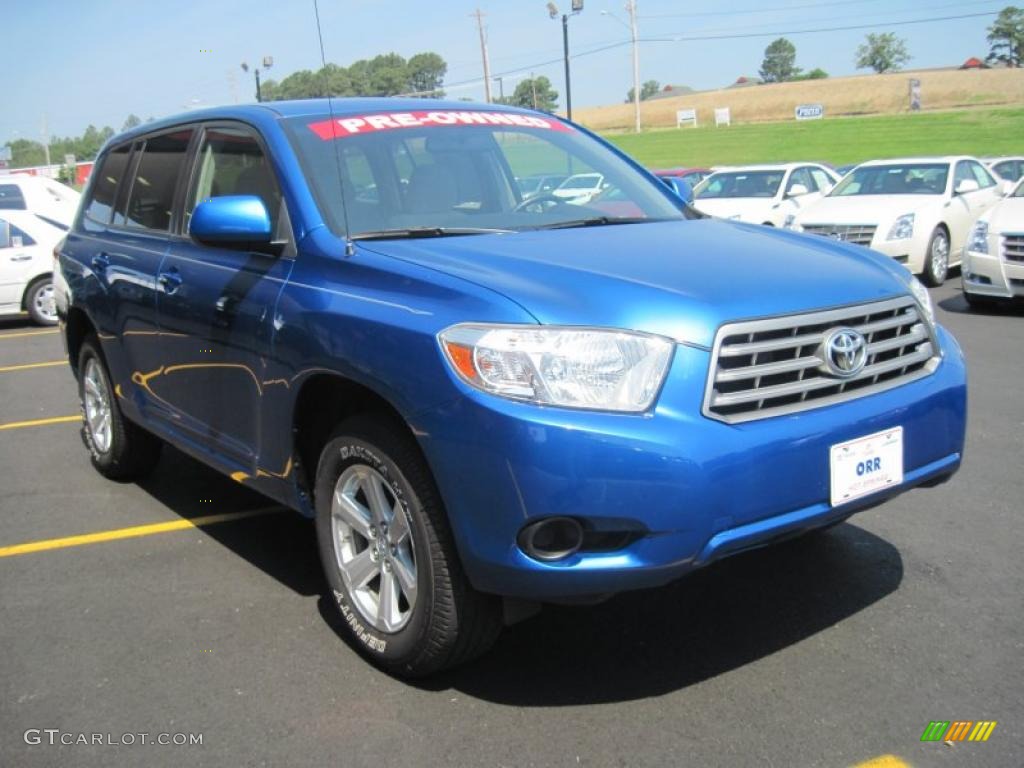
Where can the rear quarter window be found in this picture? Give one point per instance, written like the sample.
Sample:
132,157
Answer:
11,198
109,178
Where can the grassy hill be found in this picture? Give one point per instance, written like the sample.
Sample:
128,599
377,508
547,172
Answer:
941,89
833,140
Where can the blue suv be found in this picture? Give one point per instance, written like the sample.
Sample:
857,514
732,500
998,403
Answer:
486,399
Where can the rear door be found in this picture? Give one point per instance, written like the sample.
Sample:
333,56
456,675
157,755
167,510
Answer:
216,305
19,259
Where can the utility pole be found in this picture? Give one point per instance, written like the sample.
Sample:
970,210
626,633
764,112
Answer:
46,141
631,7
483,52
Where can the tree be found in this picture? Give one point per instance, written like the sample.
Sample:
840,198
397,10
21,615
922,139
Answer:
648,89
1006,38
883,53
779,63
130,122
815,74
426,73
533,93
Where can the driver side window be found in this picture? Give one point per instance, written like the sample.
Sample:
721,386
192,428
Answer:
231,162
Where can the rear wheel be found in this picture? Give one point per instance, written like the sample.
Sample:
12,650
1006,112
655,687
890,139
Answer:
389,557
39,302
936,260
120,450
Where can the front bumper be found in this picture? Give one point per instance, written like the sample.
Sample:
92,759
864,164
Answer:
986,275
910,252
690,489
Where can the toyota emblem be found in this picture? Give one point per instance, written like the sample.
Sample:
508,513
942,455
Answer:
845,352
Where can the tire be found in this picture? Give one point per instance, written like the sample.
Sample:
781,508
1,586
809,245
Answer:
39,301
936,258
120,450
434,619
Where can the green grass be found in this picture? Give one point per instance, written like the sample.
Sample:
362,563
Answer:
832,140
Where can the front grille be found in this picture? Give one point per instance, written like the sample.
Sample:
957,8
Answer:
763,368
858,234
1013,248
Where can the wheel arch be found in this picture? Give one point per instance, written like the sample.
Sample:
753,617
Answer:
323,401
77,327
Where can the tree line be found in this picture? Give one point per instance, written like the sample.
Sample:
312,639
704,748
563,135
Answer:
389,74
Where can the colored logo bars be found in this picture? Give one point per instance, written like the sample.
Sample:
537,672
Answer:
959,730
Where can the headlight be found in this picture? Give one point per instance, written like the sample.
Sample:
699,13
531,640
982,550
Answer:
903,228
977,242
924,299
571,367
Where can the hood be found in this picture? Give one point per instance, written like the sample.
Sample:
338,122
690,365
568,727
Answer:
751,209
866,209
1006,216
680,279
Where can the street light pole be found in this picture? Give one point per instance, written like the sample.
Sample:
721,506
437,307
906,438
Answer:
268,62
577,6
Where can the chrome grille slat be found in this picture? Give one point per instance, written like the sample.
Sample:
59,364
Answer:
768,367
1013,247
858,234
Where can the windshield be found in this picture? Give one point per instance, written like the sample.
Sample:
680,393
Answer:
909,179
740,184
463,170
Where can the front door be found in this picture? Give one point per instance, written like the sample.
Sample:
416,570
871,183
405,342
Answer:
216,305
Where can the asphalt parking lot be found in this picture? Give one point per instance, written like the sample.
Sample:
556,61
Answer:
831,650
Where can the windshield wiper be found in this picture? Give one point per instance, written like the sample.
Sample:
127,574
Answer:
597,221
417,232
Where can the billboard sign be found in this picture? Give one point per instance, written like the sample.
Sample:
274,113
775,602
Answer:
810,112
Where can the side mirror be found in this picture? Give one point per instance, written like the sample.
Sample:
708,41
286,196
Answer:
966,186
797,190
681,187
232,221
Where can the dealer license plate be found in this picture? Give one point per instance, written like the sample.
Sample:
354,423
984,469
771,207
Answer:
865,465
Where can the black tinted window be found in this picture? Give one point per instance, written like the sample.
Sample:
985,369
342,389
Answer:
11,198
151,201
109,177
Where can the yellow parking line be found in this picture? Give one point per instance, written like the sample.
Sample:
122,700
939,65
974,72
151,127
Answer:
131,533
29,366
27,333
883,761
39,422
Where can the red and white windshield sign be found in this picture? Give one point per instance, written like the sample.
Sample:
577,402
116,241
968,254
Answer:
352,125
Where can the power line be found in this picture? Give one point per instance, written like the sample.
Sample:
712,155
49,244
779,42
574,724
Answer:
754,10
819,29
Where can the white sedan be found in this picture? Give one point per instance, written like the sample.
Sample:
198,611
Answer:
1006,168
993,260
50,200
763,194
918,211
26,266
580,188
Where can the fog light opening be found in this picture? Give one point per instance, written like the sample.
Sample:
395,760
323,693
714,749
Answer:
554,538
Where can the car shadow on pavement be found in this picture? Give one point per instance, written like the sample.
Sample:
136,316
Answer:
958,304
650,643
281,544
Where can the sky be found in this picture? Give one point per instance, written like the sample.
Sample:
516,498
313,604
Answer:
71,63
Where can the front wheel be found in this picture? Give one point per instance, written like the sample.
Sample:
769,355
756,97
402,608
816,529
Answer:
389,557
39,302
936,260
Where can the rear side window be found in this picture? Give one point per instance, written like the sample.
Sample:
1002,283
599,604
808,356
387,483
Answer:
11,198
231,162
109,178
151,201
14,237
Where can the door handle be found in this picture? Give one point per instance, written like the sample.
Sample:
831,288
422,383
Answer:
170,280
226,304
22,257
100,262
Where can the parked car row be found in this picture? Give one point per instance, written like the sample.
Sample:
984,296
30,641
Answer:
35,213
921,212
